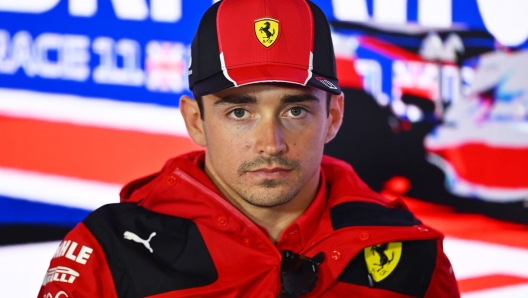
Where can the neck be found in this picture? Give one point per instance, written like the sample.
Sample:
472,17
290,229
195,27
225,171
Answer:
277,218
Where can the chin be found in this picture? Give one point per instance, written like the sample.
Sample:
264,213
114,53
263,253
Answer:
269,198
267,204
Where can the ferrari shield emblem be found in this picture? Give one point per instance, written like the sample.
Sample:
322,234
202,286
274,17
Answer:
382,259
267,31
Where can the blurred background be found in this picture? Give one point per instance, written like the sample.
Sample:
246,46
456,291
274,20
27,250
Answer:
436,113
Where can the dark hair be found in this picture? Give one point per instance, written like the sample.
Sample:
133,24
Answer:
199,101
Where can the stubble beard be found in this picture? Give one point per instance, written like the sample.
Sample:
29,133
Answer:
268,194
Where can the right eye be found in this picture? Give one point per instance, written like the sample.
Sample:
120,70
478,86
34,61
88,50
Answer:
238,113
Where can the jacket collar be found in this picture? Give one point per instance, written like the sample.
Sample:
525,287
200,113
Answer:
183,189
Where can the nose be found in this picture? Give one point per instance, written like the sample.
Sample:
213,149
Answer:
270,137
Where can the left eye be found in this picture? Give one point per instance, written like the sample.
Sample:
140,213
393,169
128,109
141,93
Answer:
239,113
296,111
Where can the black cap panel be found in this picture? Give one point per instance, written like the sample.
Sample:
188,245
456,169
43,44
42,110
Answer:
212,84
323,49
204,49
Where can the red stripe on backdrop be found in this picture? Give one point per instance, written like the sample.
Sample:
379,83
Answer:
474,227
489,282
491,166
347,75
92,153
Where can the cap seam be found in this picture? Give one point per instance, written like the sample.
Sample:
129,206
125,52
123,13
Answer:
302,66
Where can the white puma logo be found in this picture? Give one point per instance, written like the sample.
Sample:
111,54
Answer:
131,236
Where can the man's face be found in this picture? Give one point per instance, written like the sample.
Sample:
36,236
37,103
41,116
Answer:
265,141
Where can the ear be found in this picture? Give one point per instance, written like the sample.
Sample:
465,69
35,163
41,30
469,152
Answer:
335,116
191,115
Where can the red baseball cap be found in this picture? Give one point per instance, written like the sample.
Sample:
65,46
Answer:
242,42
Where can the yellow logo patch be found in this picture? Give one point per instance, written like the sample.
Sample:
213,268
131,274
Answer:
382,259
267,31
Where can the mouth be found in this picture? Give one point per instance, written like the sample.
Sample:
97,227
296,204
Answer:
270,173
269,167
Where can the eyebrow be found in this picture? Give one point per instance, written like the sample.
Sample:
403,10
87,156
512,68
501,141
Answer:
248,99
299,98
236,99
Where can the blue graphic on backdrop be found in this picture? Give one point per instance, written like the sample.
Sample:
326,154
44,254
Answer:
138,50
24,212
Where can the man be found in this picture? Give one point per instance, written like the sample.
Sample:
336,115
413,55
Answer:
260,213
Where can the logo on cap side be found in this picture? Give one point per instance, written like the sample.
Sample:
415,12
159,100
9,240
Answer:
326,82
267,31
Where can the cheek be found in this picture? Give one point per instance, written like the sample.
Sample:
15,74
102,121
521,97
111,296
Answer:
307,147
229,137
308,138
226,147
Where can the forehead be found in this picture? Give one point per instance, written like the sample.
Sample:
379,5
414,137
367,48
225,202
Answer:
268,91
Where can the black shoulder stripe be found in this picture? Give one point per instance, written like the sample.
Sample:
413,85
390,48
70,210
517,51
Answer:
411,276
150,253
368,214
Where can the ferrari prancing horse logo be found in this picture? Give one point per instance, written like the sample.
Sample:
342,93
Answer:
267,31
382,259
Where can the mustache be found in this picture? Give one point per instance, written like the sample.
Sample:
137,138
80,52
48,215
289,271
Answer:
290,164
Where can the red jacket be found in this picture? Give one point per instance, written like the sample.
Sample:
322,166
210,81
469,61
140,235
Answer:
173,235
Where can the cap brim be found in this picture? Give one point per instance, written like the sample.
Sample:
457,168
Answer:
264,74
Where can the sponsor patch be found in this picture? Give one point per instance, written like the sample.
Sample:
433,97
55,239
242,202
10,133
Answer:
267,31
60,294
70,250
382,259
146,242
60,274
